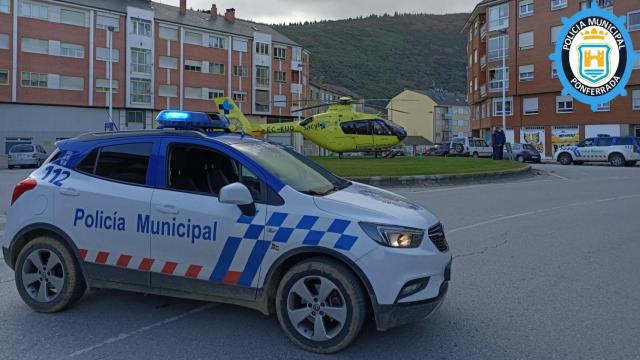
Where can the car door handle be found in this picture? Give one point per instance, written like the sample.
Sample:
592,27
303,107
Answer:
69,192
167,209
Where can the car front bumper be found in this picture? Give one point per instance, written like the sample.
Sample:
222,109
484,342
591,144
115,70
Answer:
390,316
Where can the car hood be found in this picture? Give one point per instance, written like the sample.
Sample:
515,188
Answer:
371,204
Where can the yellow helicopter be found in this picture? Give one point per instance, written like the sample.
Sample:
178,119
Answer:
340,129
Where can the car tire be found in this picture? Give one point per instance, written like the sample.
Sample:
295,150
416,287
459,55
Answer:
520,158
44,286
565,159
617,160
310,280
459,148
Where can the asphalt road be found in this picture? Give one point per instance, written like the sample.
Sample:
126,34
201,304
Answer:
545,268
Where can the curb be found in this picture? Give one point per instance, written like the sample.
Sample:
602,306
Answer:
440,180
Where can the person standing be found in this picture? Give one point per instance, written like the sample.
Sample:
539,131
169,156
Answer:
498,139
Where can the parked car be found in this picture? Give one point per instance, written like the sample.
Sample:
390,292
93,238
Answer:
470,146
617,150
393,153
26,155
523,153
439,150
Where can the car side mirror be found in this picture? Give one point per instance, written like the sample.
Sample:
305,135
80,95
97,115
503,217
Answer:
238,194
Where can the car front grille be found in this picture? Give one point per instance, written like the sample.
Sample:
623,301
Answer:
436,234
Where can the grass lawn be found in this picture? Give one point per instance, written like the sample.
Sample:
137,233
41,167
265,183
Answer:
404,166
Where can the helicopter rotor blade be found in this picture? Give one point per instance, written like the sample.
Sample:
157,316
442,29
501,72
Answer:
314,107
381,108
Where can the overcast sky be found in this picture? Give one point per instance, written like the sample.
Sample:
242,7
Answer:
278,11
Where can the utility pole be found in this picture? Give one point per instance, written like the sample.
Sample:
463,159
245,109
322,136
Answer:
110,37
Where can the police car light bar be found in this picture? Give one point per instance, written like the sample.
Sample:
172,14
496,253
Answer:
191,120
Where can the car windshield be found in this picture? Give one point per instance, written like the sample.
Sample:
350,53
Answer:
22,149
529,147
292,168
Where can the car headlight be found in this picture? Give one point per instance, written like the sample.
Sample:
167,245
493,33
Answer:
393,236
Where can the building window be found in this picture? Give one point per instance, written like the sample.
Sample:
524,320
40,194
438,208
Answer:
239,96
102,54
262,101
4,41
4,6
564,104
135,118
191,65
217,42
241,71
558,4
498,78
635,96
497,106
167,33
215,68
526,40
34,79
140,91
141,27
72,50
141,61
168,90
35,11
497,47
262,48
193,38
71,83
72,17
4,77
604,107
168,62
554,70
530,106
102,86
475,56
526,8
475,83
633,20
636,62
555,33
103,22
280,76
215,93
526,72
262,76
279,53
192,93
35,46
498,17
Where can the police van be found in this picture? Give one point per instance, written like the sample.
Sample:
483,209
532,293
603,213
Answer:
617,150
194,211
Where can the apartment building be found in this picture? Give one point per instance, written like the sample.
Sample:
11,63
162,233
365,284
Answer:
436,115
522,34
55,57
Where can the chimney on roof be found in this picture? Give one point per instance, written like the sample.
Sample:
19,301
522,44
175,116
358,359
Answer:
214,11
183,7
230,15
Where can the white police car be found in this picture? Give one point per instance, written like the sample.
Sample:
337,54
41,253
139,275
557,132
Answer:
191,212
617,150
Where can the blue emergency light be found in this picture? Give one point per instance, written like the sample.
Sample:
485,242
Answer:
191,120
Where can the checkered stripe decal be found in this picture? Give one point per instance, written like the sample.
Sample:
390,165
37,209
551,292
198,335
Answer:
244,249
247,246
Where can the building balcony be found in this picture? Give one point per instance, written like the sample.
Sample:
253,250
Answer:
483,32
483,90
483,61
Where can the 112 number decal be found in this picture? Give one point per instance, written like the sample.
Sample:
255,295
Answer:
59,175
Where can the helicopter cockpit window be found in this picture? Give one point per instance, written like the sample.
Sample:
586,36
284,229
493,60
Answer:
360,127
379,128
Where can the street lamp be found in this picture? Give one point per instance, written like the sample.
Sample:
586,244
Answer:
110,38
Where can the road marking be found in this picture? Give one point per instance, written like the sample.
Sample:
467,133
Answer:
468,187
533,212
558,176
141,330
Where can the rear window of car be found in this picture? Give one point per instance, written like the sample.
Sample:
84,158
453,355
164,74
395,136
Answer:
624,141
127,163
529,147
22,149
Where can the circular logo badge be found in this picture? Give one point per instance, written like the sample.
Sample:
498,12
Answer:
594,56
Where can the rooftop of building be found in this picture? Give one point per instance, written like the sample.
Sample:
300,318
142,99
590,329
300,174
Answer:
193,18
444,97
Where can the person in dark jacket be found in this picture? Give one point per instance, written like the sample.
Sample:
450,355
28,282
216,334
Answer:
498,139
